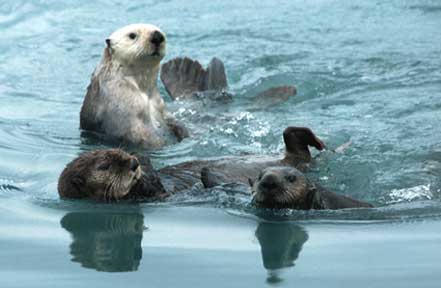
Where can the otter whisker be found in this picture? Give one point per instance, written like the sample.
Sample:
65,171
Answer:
108,194
118,187
141,53
106,190
114,186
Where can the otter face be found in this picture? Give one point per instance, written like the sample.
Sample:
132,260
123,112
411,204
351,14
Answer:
279,187
100,175
137,43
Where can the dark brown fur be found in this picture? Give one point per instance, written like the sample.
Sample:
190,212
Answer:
241,169
159,184
286,187
99,175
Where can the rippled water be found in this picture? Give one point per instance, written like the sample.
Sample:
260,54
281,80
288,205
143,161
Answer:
367,72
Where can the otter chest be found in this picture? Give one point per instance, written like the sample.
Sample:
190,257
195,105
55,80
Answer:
148,110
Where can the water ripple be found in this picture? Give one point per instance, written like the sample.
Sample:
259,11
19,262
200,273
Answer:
359,77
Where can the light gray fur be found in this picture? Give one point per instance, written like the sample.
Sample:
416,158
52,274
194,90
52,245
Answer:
123,99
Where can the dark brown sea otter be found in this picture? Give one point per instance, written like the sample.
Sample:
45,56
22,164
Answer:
100,175
113,174
287,187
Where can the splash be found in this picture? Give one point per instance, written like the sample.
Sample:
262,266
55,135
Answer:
420,192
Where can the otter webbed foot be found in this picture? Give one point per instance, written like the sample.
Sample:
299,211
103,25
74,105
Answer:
297,140
182,77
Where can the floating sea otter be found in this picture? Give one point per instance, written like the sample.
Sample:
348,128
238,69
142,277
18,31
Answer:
123,99
287,187
113,175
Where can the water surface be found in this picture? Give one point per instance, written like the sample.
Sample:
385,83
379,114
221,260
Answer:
366,72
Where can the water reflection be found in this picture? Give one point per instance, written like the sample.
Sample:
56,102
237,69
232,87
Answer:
108,242
281,243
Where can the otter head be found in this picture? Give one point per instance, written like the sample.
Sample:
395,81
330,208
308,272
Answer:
100,175
136,44
280,187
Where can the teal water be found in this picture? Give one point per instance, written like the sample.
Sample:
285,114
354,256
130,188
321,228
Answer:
368,72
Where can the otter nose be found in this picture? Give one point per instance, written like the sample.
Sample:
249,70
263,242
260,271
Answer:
269,182
157,38
134,164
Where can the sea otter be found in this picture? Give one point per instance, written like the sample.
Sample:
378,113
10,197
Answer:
123,99
99,175
114,174
287,187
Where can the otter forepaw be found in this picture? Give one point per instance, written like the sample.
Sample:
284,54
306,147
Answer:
178,129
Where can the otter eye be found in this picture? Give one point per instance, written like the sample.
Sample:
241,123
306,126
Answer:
132,36
104,166
291,178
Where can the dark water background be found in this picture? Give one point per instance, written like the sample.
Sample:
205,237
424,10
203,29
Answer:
368,72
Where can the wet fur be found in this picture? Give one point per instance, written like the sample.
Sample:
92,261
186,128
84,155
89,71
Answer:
159,184
123,99
293,189
300,194
83,179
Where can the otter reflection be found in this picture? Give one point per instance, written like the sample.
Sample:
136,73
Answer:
108,242
281,243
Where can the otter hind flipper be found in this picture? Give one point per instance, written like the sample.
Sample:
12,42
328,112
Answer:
216,76
183,77
297,140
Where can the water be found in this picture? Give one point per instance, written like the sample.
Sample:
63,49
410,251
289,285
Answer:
366,72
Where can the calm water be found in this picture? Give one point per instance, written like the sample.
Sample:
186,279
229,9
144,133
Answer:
366,72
